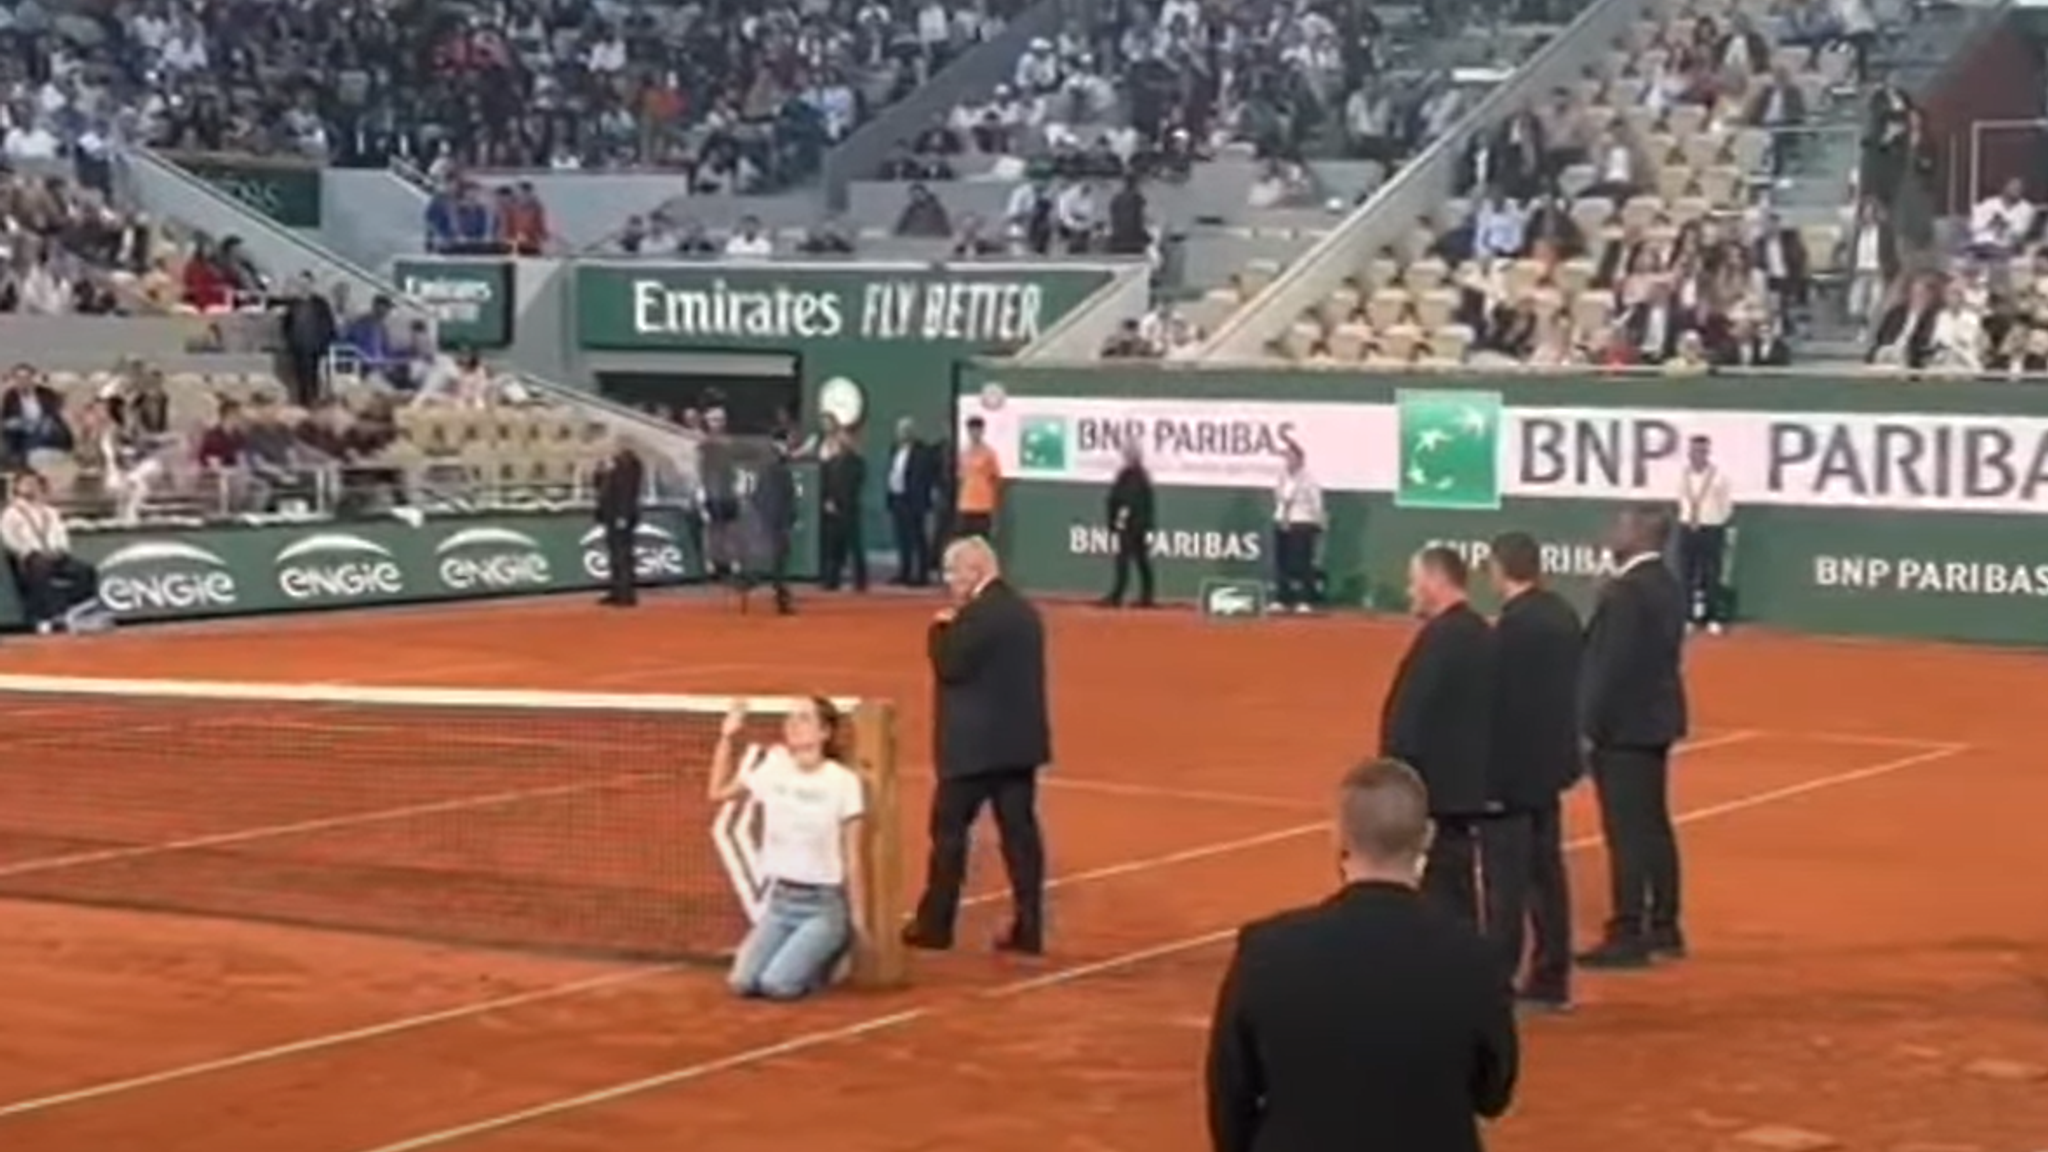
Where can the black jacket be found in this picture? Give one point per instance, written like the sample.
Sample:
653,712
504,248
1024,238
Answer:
840,478
920,476
619,485
1130,500
774,497
1438,715
1632,688
1536,646
989,664
1370,1021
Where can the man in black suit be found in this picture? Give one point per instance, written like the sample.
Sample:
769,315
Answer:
1131,518
1438,719
1536,757
1371,1019
309,328
1631,711
775,512
992,737
913,480
619,484
842,474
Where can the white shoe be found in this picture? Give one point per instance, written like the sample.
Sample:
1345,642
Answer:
1275,608
1304,609
1714,629
46,627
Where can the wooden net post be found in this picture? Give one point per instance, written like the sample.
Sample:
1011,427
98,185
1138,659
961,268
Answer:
884,962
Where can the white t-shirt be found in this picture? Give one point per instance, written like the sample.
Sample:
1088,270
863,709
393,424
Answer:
803,815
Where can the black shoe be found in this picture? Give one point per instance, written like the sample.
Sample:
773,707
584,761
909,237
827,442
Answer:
915,936
1021,943
1616,955
1109,602
1667,944
1528,1004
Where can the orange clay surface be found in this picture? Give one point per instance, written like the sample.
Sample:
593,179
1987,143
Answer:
1865,863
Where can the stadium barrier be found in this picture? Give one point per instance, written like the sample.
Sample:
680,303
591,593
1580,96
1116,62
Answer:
1865,505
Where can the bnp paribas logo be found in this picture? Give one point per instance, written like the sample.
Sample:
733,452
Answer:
1450,450
1042,444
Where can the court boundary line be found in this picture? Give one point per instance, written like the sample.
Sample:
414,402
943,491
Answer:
1066,975
406,1024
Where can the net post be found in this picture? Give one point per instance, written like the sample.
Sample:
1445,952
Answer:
884,961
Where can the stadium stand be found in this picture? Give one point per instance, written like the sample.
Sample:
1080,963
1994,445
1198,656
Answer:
1626,220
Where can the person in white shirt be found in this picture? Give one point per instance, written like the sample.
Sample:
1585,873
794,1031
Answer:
1297,525
812,809
2001,223
56,587
1705,507
750,242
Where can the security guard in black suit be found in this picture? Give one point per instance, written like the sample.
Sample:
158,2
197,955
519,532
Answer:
620,481
993,734
1131,518
1371,1020
1631,711
1536,757
1438,718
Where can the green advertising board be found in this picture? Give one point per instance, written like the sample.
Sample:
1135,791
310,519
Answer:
889,334
1864,505
286,189
470,300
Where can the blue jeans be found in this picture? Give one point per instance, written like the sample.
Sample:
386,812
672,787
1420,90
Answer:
791,952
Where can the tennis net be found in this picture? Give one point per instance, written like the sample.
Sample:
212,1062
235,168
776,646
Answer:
574,822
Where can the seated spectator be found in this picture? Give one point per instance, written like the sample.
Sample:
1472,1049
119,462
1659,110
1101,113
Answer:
137,400
463,381
1127,343
750,242
460,221
368,337
1077,216
223,443
691,240
905,164
128,465
1617,175
245,279
1282,184
1654,325
57,588
2000,224
1029,216
1498,229
1752,342
208,288
1690,356
271,453
32,417
524,225
923,215
828,238
43,285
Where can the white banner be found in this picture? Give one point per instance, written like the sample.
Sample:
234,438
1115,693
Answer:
1466,450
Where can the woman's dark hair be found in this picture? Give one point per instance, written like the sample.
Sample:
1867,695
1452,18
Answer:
832,725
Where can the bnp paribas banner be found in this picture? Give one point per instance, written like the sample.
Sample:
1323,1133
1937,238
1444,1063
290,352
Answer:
1847,520
151,575
873,341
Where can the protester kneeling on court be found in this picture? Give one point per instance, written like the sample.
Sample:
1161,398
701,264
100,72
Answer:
812,807
57,588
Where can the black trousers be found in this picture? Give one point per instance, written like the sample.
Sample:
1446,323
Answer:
1700,550
957,801
1634,786
980,524
839,539
1294,564
913,542
623,561
1131,553
774,572
1451,875
53,585
1528,893
303,370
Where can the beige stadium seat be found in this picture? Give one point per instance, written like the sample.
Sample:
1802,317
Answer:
1722,186
1674,181
1381,272
1687,209
1599,117
1256,275
1687,120
1750,146
1638,122
1339,307
1387,308
1400,342
1704,150
1823,245
1300,338
1449,343
1641,211
1834,67
1436,307
1592,213
1576,178
1793,60
1662,147
1593,311
1523,276
1575,276
1426,274
1348,342
1547,301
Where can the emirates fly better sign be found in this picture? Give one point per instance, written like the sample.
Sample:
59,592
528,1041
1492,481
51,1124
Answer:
1456,450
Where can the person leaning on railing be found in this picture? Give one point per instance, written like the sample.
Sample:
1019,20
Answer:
56,586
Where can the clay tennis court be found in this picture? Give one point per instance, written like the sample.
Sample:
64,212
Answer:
1863,825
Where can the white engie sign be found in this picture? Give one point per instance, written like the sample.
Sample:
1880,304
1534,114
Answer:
1461,449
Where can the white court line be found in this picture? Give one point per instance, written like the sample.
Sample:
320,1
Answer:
1866,741
320,824
1150,792
425,1020
1067,975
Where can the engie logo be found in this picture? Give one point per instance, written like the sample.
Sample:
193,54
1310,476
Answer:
736,833
337,566
492,558
1233,599
656,554
164,576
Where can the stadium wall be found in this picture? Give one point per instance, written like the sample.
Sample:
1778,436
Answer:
174,573
1867,506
